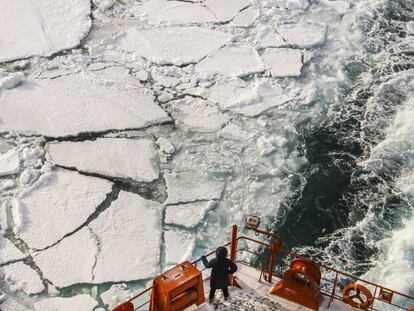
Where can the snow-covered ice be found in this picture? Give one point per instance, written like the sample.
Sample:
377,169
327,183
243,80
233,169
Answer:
9,252
117,294
410,27
246,17
225,10
106,156
266,37
12,305
192,186
283,62
20,277
197,114
9,162
71,261
303,35
232,60
256,100
82,302
129,232
41,27
179,246
11,80
72,104
173,45
56,205
188,215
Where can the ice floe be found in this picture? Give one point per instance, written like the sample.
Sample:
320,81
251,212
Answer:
56,205
192,186
173,45
9,304
42,27
129,232
9,163
225,10
11,80
106,156
70,261
266,37
72,104
256,100
197,114
283,62
303,35
80,303
410,28
188,215
178,246
20,277
232,60
117,294
9,252
246,17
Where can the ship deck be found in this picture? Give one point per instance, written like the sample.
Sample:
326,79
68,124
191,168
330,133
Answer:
254,296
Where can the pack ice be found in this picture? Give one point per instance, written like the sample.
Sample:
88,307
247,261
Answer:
106,156
172,45
41,27
73,104
80,303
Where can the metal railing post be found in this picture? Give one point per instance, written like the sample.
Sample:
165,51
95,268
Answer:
270,273
233,247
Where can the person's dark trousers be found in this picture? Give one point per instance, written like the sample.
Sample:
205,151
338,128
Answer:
213,292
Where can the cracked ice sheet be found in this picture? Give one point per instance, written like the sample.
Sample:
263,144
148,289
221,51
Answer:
179,246
256,100
197,114
188,215
158,11
20,277
192,186
283,62
9,163
106,156
72,104
117,294
58,203
41,27
173,45
79,303
303,35
131,226
232,60
129,232
9,252
11,305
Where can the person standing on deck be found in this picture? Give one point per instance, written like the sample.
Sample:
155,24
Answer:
221,267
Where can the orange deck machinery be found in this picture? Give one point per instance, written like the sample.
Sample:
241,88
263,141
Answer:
178,288
300,283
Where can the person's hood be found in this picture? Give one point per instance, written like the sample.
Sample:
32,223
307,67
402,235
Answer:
221,253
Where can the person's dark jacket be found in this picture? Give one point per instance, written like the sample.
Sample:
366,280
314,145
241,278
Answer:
221,268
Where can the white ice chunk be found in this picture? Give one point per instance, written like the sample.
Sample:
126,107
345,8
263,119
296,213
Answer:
197,114
57,204
129,234
188,215
11,80
289,4
8,251
303,35
117,294
106,156
71,261
267,145
9,163
222,92
41,27
225,10
165,145
233,131
176,11
246,17
82,302
266,37
232,60
284,62
192,186
254,101
104,4
71,105
20,277
339,5
179,246
410,28
173,45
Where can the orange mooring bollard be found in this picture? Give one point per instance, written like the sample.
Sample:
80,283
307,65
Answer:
233,250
